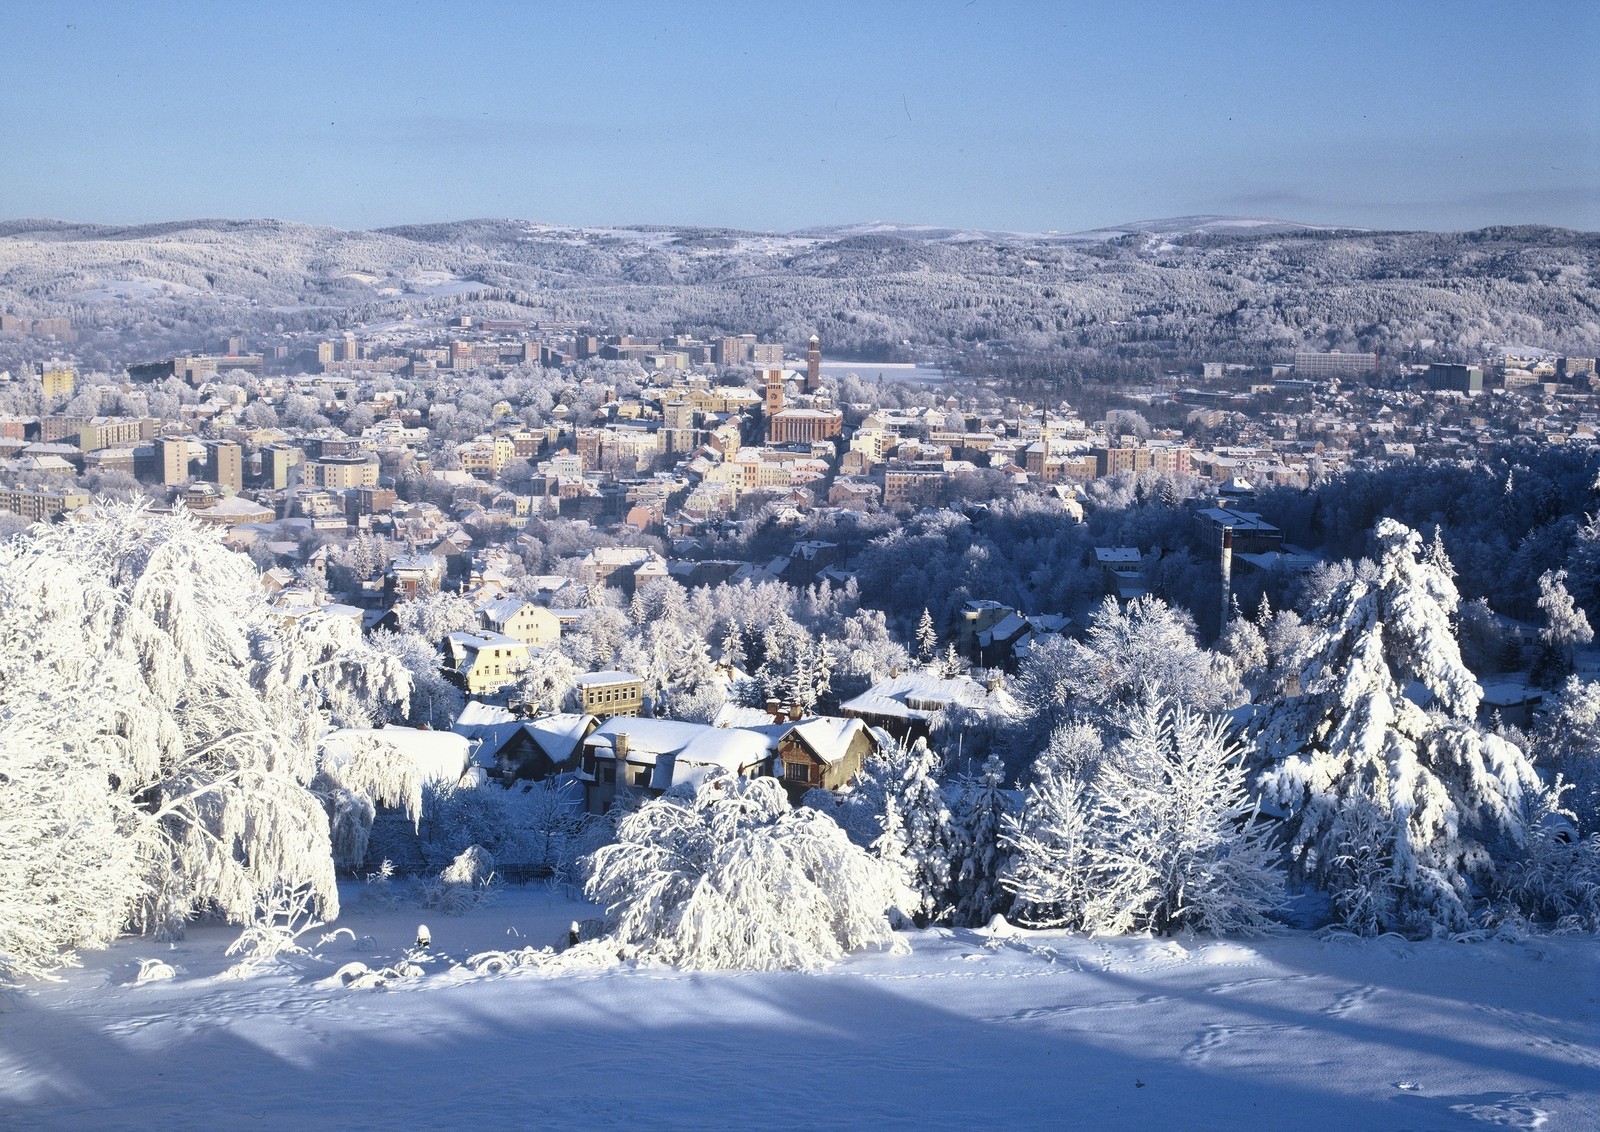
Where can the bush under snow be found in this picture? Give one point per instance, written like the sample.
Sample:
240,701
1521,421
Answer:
735,878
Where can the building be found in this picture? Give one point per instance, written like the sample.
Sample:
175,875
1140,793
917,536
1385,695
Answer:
1251,533
487,661
1454,377
57,380
1575,369
225,465
908,706
533,625
803,426
115,432
41,505
277,460
772,383
356,470
654,755
198,368
605,694
172,453
1315,364
814,365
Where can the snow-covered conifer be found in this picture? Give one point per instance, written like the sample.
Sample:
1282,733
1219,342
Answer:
910,777
927,638
1447,790
978,818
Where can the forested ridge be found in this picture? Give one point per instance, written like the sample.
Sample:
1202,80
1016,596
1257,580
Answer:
1245,295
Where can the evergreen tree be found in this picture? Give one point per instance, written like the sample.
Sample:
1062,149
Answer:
978,820
927,639
911,783
1448,792
1565,628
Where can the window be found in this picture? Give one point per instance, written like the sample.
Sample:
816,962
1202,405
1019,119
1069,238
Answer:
797,772
641,777
608,773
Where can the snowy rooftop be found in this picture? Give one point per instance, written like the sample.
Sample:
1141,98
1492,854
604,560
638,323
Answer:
610,676
441,756
916,695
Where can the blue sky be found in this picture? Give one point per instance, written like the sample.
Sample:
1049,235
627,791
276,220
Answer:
1026,116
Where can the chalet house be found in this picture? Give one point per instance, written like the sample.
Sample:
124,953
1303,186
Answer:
825,751
531,750
654,755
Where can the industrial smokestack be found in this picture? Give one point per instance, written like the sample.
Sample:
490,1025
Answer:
1227,579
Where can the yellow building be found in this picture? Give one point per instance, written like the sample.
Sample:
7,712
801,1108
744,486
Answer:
58,380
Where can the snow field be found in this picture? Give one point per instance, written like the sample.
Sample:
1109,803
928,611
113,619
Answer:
1003,1028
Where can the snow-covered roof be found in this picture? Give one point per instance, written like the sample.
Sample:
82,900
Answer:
680,753
916,695
501,610
476,716
828,736
610,676
441,756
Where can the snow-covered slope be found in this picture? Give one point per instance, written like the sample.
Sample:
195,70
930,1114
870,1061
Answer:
972,1029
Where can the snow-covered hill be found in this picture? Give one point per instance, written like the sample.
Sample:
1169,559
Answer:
1236,287
971,1029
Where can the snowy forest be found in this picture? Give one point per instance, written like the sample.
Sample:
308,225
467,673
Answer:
1085,305
1323,760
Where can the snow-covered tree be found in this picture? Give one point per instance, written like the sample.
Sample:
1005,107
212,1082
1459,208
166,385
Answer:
434,616
1177,844
1359,735
735,878
549,681
139,648
1565,628
910,778
435,701
927,638
977,819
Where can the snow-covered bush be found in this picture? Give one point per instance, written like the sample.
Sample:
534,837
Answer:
1567,744
463,884
735,878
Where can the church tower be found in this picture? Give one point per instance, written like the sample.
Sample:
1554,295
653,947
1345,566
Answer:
814,365
773,379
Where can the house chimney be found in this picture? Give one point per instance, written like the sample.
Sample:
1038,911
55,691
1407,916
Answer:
1227,579
619,745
